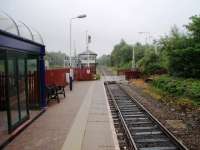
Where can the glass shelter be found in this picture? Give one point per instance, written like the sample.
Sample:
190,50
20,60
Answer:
22,71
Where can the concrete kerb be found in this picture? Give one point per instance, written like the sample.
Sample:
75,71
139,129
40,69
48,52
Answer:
111,120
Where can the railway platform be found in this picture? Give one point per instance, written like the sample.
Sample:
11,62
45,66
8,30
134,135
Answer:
81,121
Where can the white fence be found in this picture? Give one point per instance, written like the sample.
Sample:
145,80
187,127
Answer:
114,78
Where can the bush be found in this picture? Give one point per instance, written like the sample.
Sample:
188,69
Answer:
152,68
185,63
149,64
179,87
127,65
193,90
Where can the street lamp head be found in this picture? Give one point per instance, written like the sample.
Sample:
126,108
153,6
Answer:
82,16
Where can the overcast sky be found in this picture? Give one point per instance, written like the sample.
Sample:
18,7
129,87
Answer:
107,21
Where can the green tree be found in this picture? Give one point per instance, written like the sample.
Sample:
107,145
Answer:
149,64
104,60
194,28
121,54
55,59
180,52
175,40
185,63
169,43
139,51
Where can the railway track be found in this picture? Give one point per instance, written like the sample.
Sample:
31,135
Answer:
105,71
136,128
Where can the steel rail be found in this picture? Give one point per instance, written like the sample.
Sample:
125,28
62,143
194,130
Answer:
171,137
162,127
126,129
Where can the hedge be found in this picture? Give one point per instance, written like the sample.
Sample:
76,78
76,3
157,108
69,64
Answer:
179,87
185,63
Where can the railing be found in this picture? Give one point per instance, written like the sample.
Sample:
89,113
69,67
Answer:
33,90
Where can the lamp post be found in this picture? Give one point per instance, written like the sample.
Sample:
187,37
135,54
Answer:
70,35
154,44
70,47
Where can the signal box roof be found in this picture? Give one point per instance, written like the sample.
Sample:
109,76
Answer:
88,52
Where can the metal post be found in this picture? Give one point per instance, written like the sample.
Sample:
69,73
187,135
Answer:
70,33
86,39
70,42
74,47
42,81
87,48
133,59
147,36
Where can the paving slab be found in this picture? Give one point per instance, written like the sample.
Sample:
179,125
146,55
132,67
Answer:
99,133
96,131
81,121
51,129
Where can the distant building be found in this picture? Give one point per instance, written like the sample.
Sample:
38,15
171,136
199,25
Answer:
87,59
67,61
74,61
83,60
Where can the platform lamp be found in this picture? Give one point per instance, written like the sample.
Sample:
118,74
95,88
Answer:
70,46
70,35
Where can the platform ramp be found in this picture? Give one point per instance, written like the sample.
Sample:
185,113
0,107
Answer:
120,78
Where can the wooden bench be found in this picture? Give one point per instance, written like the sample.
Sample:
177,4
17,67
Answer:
60,89
53,91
